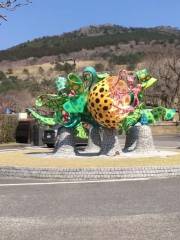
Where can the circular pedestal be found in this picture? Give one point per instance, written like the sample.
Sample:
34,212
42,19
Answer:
139,139
94,141
110,142
144,142
65,143
131,139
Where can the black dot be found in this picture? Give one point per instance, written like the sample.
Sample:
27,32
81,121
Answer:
101,90
105,100
98,109
107,121
113,121
92,104
96,94
102,95
105,108
100,115
94,89
97,100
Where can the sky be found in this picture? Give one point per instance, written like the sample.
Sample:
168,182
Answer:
54,17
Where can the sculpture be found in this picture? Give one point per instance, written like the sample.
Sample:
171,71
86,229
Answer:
103,101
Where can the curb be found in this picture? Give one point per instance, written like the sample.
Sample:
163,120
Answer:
15,146
90,174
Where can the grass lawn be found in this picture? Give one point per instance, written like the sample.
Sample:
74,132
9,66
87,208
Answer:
31,158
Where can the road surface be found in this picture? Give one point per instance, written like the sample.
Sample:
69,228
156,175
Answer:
129,210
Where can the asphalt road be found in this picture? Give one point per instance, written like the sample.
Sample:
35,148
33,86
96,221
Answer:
167,141
131,210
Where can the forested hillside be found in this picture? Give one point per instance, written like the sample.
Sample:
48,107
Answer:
90,38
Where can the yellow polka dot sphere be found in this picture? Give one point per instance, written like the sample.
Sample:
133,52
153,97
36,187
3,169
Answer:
109,102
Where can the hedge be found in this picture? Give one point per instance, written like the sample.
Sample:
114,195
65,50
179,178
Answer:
8,125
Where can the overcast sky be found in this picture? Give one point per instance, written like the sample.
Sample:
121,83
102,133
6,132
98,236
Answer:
53,17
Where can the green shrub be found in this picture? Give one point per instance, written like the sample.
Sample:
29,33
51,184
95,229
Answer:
8,124
2,75
9,71
66,67
41,70
25,71
130,58
99,67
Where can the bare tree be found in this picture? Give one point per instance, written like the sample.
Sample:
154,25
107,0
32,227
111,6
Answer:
174,71
11,5
17,101
166,67
6,102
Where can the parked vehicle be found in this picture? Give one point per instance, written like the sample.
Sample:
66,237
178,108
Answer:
50,137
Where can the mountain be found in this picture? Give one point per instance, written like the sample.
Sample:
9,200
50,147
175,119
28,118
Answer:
90,38
29,69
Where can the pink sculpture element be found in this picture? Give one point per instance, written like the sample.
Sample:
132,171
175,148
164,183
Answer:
136,90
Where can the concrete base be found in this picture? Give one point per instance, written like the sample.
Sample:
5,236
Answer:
139,139
65,143
145,141
131,139
110,142
94,141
